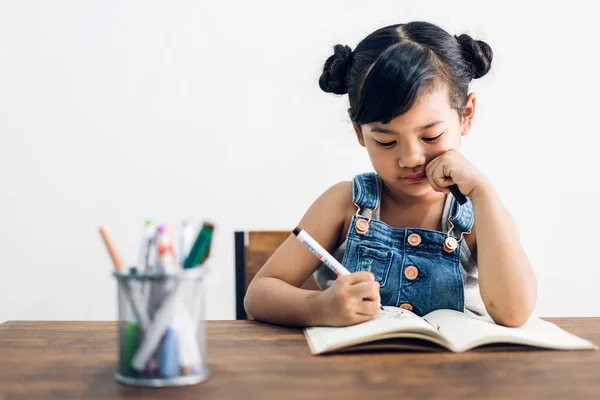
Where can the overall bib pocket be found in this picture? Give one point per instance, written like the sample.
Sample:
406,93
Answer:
376,261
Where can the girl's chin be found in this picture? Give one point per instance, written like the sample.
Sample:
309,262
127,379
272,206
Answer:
417,190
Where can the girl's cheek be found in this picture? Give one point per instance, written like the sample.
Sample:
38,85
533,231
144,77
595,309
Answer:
445,146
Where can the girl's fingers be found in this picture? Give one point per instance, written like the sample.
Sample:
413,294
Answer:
357,277
437,177
367,307
360,318
365,290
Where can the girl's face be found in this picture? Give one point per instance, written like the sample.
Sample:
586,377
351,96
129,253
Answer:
400,150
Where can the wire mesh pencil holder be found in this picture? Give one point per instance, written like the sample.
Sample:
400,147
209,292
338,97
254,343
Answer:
161,328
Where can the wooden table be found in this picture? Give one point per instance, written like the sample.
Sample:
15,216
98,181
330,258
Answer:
250,360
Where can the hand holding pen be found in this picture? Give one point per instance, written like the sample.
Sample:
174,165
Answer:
352,298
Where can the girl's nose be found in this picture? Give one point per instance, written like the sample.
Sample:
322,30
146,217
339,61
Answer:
410,157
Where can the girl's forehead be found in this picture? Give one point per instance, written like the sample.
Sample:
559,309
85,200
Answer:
432,105
435,98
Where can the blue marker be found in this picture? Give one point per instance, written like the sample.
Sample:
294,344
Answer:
169,355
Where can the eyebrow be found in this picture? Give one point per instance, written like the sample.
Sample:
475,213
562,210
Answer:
423,128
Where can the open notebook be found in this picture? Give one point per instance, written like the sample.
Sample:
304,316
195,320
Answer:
396,328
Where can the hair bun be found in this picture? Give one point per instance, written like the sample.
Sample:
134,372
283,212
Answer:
477,54
333,78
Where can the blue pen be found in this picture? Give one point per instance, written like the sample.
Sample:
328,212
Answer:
169,355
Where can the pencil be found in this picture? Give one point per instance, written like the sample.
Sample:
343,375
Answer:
112,249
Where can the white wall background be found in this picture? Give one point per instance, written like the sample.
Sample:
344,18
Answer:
112,112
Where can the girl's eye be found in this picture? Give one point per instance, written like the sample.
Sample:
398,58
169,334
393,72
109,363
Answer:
433,139
385,144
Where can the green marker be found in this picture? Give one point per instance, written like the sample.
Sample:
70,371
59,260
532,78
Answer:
129,345
201,247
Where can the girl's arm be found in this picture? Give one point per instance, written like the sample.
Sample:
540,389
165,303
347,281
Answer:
274,294
506,280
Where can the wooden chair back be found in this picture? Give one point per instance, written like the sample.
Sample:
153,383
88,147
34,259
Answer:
252,250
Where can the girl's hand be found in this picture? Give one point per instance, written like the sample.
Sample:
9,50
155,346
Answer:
351,299
451,168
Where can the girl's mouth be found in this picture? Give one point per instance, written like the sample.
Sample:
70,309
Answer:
415,178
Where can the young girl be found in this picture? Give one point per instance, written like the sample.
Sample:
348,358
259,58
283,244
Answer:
405,239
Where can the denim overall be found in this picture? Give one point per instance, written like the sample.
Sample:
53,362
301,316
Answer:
412,267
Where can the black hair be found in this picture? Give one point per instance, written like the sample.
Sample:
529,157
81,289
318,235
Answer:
391,67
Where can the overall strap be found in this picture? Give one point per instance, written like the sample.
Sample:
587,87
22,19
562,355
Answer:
461,216
365,191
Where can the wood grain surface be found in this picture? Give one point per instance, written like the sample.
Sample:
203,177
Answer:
251,360
261,245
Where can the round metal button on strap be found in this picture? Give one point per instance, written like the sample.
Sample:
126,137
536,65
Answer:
411,272
406,306
361,226
450,244
414,239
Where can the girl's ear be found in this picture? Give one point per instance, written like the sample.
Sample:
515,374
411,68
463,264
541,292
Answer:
359,134
468,113
357,130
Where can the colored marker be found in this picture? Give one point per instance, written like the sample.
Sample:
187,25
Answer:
128,346
457,194
201,247
148,236
321,253
166,255
169,355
